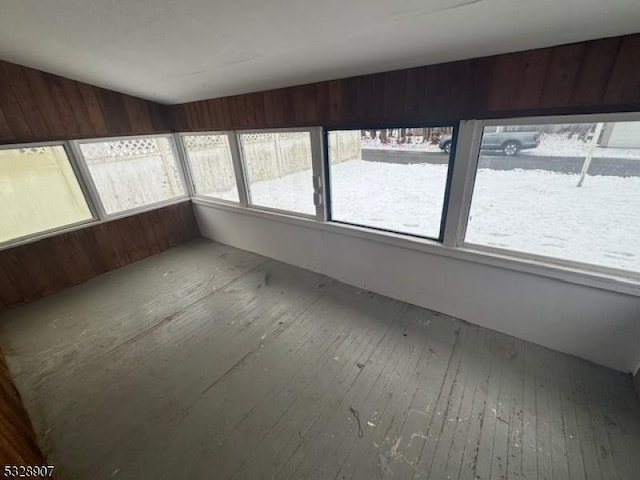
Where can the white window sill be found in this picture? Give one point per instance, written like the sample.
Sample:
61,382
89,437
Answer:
541,267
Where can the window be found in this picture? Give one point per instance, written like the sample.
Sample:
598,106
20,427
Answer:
391,179
211,165
279,170
567,191
38,191
133,172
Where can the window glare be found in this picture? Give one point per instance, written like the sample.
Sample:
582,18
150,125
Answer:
530,198
133,172
391,179
38,192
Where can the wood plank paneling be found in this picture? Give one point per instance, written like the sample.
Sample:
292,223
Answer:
33,270
588,77
624,81
36,106
561,76
18,442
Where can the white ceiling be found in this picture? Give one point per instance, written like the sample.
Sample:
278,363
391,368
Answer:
179,51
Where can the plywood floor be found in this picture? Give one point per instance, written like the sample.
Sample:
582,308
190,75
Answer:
210,362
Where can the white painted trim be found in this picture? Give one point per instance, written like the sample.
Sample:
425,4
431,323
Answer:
569,274
185,163
85,187
180,160
239,170
318,167
122,137
463,176
85,174
316,157
95,195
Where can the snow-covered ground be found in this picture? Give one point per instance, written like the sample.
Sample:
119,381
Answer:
529,211
558,145
545,213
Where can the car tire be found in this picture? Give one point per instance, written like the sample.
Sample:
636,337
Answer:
447,147
511,148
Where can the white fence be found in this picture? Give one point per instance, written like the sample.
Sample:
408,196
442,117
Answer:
268,156
133,172
345,145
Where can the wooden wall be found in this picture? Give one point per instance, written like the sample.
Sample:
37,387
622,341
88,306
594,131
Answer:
43,267
36,106
595,76
18,442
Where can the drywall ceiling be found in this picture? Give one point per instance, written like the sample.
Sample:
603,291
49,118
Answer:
179,51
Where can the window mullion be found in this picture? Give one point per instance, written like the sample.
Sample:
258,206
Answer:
86,181
239,169
319,184
463,176
184,167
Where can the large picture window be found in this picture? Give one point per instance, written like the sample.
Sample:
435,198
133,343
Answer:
391,179
39,191
211,165
279,170
133,172
566,191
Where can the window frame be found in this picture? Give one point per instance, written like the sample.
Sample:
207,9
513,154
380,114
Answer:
235,160
468,159
455,125
317,172
86,173
82,183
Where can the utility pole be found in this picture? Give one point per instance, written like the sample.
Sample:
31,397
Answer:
587,159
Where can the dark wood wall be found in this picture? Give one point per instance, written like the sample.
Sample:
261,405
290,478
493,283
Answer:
595,76
43,267
37,106
18,442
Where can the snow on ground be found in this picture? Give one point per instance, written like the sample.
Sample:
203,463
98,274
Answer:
558,145
529,211
544,213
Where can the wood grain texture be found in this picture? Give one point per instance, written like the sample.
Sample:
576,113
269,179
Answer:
40,268
243,367
588,77
38,106
18,442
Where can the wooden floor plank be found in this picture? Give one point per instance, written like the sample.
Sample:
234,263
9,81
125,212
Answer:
209,362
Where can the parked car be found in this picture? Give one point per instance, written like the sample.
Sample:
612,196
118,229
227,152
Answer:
509,143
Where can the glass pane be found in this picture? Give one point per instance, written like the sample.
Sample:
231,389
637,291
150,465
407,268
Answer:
38,192
529,196
392,179
212,166
279,170
133,172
